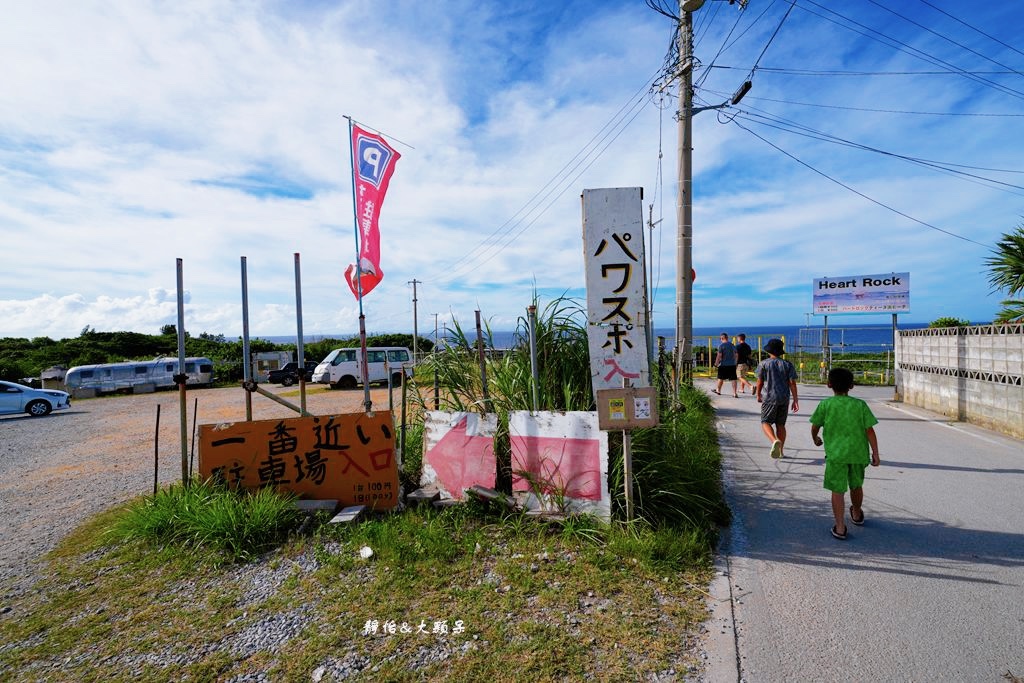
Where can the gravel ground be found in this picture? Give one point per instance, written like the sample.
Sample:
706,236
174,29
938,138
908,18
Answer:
59,470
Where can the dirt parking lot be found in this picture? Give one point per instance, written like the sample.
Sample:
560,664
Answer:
58,470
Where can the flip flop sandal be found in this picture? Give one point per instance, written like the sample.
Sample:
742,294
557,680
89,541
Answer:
836,534
713,391
858,522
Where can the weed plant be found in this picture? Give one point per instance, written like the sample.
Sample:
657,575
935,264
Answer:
206,515
676,464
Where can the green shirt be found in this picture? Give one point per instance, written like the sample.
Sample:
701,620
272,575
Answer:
845,421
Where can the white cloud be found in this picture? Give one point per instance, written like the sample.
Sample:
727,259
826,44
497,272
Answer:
135,127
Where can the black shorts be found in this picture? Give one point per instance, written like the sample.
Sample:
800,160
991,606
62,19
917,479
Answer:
727,372
774,413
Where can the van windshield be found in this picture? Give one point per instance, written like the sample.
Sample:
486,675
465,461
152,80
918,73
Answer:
331,356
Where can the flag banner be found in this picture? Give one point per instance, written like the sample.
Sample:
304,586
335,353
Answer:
373,162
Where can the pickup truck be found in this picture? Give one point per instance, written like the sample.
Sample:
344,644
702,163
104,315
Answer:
289,375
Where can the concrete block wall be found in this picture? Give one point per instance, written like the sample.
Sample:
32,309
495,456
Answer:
974,374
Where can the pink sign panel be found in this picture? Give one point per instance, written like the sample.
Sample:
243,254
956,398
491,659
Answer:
560,459
458,452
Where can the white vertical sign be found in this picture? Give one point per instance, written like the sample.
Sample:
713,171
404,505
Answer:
613,243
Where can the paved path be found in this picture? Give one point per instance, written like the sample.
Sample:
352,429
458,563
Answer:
930,589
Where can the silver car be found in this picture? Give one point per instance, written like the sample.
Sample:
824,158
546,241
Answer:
17,398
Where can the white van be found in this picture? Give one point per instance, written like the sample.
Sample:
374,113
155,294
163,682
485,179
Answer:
342,370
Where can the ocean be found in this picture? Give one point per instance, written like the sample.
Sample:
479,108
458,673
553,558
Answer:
854,338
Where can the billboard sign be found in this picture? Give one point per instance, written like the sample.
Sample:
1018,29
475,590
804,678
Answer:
884,293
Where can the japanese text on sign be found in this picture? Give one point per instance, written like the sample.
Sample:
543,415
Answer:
616,278
350,458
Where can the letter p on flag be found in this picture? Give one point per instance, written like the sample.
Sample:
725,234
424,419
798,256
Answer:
373,162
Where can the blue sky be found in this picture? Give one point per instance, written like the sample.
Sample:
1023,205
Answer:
135,133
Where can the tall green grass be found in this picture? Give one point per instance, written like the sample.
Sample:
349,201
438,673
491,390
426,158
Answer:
676,465
238,524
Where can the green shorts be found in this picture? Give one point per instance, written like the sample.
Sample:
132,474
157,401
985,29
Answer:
842,476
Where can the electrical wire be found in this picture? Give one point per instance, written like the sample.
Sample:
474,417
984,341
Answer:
973,28
770,40
899,45
857,192
868,109
946,38
837,72
511,237
449,270
507,232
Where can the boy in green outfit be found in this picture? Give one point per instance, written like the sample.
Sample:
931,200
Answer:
849,425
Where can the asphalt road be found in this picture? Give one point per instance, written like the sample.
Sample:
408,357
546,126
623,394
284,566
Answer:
931,588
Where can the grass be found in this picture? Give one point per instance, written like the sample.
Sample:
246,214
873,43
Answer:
194,574
532,602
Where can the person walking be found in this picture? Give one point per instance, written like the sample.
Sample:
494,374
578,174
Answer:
743,352
776,383
725,361
849,426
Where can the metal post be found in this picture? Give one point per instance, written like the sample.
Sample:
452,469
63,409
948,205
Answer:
300,344
627,464
895,379
415,322
401,433
182,377
156,451
364,365
684,212
483,362
531,312
437,383
246,354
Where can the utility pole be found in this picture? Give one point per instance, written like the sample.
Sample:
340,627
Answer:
684,207
415,319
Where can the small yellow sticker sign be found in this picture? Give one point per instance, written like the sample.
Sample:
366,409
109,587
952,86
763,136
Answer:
627,408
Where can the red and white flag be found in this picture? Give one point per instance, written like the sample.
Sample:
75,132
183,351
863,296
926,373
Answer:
373,162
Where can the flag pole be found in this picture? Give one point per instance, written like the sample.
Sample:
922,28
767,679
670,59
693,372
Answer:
367,404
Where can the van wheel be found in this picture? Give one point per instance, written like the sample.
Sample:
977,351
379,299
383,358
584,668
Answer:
38,408
396,379
348,382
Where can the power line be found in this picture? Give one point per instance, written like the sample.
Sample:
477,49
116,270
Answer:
857,192
899,45
944,167
973,28
936,33
867,109
512,236
451,269
839,72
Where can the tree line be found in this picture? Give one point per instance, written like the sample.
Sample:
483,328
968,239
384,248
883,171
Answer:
22,358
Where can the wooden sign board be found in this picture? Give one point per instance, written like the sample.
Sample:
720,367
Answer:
350,458
627,408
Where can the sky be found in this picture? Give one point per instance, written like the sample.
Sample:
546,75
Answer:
133,134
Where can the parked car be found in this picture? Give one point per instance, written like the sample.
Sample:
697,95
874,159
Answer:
342,368
289,373
17,398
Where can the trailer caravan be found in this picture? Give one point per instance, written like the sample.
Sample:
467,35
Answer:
158,373
342,367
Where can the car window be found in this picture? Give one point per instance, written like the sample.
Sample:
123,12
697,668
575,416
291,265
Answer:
376,356
205,368
86,374
398,356
345,355
141,369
